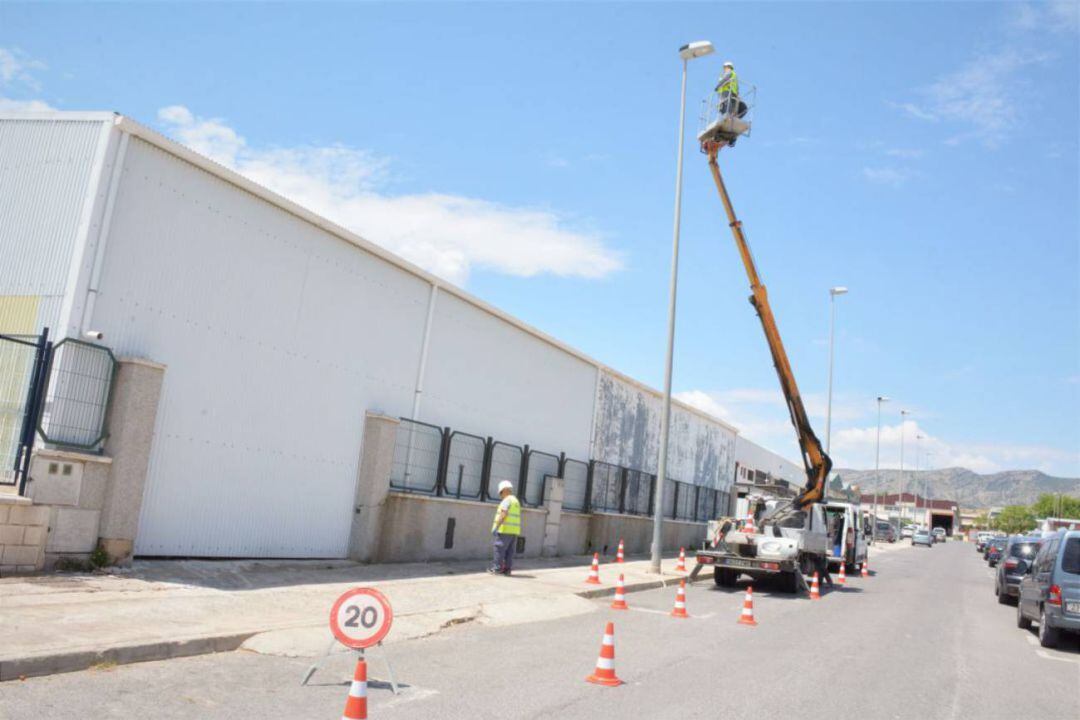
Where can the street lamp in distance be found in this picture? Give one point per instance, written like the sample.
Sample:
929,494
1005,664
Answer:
833,292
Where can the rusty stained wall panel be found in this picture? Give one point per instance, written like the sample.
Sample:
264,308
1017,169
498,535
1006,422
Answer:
627,432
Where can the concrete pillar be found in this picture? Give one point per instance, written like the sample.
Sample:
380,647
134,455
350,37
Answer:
372,485
553,499
132,414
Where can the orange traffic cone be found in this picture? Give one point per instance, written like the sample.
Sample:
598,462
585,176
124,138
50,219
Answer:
815,588
749,528
865,568
356,705
619,554
620,600
843,578
605,664
679,610
594,571
681,565
747,616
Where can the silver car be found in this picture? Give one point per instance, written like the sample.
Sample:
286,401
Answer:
922,536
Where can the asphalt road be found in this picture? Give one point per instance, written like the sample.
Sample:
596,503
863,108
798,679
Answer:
923,638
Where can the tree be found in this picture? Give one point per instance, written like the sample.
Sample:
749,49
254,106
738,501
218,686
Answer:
1015,519
1054,505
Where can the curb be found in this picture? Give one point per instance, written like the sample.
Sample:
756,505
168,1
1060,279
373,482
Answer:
639,586
35,666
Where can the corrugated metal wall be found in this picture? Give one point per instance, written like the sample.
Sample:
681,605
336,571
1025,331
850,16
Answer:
486,376
752,456
45,173
277,337
627,433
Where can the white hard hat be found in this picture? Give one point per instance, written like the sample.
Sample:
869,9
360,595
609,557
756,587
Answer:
506,485
728,63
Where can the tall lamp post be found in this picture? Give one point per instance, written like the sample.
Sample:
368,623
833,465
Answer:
903,432
877,460
833,292
687,53
919,437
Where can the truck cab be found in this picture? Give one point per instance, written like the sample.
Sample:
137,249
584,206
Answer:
847,540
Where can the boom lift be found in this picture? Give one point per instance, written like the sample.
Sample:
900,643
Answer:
792,535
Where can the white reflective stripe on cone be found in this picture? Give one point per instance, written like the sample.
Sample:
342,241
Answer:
609,640
605,664
358,689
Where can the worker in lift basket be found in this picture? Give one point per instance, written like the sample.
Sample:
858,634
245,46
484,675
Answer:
505,530
729,104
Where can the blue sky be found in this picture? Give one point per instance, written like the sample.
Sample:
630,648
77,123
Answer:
923,154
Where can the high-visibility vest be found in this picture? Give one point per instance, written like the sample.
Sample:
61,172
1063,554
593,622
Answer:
731,86
512,524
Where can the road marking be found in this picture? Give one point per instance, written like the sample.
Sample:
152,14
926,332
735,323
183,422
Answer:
668,612
1048,656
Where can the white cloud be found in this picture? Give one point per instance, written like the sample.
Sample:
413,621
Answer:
704,402
9,105
988,95
17,67
446,234
855,447
886,175
1053,16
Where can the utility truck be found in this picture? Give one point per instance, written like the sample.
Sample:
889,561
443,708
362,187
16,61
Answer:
789,537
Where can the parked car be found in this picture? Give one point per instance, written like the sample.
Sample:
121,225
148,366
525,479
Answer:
939,534
922,536
885,532
989,544
995,550
1019,553
981,539
907,531
1050,590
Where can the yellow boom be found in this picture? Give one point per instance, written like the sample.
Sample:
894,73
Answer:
816,462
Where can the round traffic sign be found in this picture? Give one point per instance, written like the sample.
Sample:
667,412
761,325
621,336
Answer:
361,617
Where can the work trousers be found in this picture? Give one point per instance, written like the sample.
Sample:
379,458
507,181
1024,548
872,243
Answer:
503,554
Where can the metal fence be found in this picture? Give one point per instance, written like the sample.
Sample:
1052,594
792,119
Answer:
417,457
606,488
538,465
437,461
576,485
24,367
77,400
465,466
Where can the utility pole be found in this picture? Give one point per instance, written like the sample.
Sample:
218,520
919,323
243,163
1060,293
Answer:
833,292
687,53
900,501
877,461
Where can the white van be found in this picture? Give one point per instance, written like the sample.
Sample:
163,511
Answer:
847,541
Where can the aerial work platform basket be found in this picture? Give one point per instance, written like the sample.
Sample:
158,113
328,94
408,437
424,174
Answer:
725,117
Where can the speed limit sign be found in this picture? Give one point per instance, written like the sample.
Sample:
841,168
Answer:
361,618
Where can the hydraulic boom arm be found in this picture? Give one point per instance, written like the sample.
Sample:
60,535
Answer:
815,460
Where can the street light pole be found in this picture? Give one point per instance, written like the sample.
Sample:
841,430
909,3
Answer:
918,437
900,500
877,460
687,53
833,292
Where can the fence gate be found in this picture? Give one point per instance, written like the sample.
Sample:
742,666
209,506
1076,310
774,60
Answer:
24,375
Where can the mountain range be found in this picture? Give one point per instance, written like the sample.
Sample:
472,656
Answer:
968,488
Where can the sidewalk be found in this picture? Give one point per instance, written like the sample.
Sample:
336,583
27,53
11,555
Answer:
163,609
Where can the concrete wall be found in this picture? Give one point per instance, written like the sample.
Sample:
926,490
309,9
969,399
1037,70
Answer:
23,531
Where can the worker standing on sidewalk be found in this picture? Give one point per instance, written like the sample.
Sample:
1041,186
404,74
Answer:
505,530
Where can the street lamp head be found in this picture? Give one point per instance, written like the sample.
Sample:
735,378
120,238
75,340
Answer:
838,290
696,49
883,398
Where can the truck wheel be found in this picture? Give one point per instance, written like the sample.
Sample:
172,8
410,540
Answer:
723,577
1021,622
789,583
1048,636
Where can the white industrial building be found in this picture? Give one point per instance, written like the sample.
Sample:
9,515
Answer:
279,331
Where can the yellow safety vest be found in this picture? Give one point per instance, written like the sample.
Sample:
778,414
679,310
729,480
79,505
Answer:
731,86
512,524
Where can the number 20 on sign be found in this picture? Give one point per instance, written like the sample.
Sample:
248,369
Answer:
361,617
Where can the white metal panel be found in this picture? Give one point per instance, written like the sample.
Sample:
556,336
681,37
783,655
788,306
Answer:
627,433
485,376
46,168
752,456
277,337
